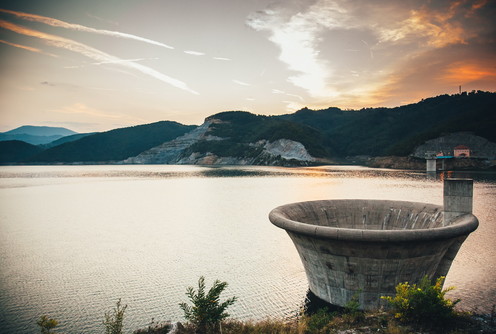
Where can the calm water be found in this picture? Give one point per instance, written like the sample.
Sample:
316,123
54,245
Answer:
74,239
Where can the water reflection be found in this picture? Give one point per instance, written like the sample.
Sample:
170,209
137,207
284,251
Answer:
73,239
174,171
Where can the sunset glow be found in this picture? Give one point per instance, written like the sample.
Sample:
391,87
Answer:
141,62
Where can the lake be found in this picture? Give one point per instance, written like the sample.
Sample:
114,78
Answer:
75,239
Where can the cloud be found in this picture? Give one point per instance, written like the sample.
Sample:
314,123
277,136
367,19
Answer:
120,61
194,53
277,91
93,53
241,83
58,23
102,19
356,50
297,38
28,48
462,72
221,58
440,71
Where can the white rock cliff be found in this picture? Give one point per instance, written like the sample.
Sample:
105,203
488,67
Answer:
279,152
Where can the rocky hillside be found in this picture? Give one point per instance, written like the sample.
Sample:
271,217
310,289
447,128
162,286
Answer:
237,138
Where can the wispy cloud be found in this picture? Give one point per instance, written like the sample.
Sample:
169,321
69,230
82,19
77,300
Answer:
194,53
278,91
102,19
120,61
221,58
28,48
241,83
62,24
93,53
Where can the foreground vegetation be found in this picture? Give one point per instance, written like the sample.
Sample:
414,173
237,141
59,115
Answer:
419,309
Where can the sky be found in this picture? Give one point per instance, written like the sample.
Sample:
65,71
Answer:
96,65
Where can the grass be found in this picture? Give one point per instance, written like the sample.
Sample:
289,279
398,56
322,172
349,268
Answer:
367,323
418,309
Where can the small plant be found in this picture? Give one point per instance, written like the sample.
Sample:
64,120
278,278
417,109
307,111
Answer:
113,320
352,312
319,320
423,304
47,324
207,311
155,328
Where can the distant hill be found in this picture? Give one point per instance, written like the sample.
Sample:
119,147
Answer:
67,139
114,145
397,131
304,137
40,131
36,135
12,151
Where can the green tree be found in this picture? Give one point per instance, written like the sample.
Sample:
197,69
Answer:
113,320
47,324
207,311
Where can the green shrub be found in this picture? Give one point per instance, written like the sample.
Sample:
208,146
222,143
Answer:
423,304
113,320
207,311
47,324
318,321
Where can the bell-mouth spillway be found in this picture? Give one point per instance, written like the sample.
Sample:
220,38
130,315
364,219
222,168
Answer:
364,248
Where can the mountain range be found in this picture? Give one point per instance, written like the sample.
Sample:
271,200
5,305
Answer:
36,135
238,137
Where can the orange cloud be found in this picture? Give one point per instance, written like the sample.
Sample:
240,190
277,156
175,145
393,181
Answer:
93,53
62,24
438,27
461,72
27,48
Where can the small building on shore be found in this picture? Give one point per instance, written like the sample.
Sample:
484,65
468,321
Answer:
461,151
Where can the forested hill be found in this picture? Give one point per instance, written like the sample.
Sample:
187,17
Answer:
114,145
397,131
241,137
243,128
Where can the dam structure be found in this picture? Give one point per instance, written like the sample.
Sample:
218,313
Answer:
364,248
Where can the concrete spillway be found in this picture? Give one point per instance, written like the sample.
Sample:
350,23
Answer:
367,247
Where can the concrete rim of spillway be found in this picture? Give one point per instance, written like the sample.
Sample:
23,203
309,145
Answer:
462,225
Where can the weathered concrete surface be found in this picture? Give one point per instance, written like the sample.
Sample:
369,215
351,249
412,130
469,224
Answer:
431,165
458,194
367,247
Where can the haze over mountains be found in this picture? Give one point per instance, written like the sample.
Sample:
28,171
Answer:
36,135
235,137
